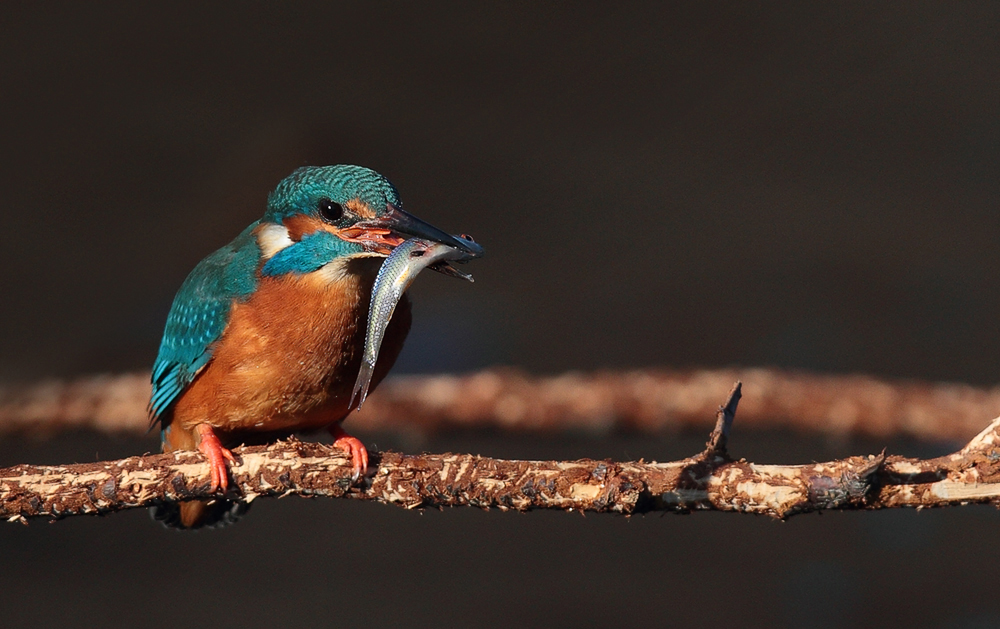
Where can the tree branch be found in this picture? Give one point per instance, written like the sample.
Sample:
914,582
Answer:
708,480
507,399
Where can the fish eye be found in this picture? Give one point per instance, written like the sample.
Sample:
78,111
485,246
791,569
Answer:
330,210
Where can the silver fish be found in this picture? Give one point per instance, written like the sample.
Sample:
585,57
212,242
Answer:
394,277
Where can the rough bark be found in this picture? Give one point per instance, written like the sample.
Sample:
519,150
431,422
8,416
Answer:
708,480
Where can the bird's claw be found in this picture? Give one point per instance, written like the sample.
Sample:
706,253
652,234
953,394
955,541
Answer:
217,456
353,447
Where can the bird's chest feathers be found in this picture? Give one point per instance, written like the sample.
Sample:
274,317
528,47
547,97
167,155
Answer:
291,352
306,326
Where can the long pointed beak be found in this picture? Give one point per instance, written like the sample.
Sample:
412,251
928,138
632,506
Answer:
409,225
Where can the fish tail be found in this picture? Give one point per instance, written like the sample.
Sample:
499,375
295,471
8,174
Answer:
361,385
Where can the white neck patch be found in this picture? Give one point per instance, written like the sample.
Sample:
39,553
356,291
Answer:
272,238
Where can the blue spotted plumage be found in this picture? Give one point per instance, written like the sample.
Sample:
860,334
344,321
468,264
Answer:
198,316
298,193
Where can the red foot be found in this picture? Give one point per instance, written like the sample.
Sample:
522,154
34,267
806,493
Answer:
212,448
352,446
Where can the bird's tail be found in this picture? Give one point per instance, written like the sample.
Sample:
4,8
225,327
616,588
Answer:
194,514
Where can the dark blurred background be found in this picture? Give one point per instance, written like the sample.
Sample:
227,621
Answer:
697,184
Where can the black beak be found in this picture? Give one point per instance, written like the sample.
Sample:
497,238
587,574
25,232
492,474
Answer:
406,224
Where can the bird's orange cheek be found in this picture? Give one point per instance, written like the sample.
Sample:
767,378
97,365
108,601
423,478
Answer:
302,225
374,239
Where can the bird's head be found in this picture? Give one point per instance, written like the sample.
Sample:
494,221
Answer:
319,213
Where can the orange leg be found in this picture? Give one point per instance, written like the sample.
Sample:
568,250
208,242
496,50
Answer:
212,448
352,446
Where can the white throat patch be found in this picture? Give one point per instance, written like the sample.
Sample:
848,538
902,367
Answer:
340,268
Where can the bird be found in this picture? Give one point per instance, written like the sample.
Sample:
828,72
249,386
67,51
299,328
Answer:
265,336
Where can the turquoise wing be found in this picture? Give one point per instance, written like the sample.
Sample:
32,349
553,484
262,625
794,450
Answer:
199,315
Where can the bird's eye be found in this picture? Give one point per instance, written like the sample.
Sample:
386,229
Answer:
330,210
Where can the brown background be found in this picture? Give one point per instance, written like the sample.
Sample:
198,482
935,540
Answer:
704,184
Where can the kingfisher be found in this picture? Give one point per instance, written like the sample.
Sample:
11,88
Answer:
265,336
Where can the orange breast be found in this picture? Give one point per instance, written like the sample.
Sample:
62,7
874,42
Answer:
290,354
